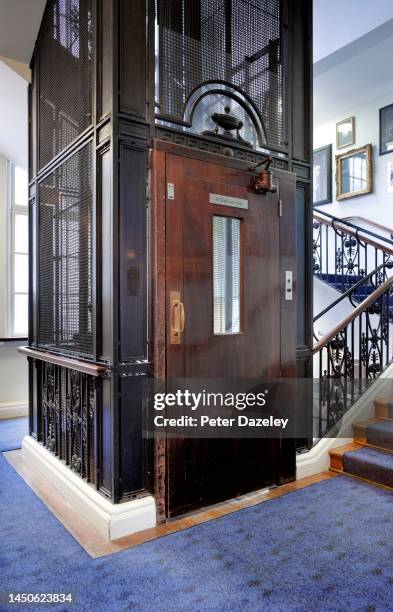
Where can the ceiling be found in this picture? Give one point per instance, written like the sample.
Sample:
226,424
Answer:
358,72
337,23
19,24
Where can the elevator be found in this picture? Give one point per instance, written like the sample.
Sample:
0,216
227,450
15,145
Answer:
170,233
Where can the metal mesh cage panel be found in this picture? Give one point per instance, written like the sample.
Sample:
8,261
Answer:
65,75
65,256
236,41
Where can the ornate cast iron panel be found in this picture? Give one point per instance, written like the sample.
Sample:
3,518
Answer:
68,416
202,143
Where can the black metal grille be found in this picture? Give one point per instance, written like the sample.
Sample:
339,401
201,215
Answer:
65,75
65,256
68,416
236,41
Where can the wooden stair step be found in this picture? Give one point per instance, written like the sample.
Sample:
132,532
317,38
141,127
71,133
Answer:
382,409
371,464
336,455
359,429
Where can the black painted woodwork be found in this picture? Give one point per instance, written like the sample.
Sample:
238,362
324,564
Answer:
115,111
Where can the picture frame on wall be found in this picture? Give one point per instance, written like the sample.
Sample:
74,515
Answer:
386,130
345,133
322,175
354,175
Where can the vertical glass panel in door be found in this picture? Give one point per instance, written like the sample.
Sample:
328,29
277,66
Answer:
226,275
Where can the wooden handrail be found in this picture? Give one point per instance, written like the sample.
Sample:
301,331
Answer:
374,223
351,232
349,318
73,364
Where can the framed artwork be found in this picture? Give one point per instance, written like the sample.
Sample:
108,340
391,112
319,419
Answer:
322,175
354,173
386,130
345,133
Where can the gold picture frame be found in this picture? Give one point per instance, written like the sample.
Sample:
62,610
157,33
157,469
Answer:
354,173
345,133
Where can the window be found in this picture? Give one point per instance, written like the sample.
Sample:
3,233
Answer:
19,241
226,275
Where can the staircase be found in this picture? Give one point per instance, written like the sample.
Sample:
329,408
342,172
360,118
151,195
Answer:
358,264
359,287
370,457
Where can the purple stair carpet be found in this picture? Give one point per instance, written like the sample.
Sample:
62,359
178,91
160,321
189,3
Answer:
381,434
371,464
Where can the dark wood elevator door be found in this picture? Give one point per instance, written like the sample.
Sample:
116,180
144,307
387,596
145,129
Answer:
200,472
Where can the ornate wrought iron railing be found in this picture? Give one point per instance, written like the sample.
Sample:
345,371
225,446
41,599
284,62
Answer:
68,402
68,410
349,358
364,287
344,253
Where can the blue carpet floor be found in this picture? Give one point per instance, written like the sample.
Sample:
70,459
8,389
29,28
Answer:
326,547
12,432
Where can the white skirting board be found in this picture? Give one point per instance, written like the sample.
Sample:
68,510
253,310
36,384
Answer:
111,520
13,410
317,460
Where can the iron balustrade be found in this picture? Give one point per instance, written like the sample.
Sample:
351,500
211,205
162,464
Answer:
351,357
344,253
365,285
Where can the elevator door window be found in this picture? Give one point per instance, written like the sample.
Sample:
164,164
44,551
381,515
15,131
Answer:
226,275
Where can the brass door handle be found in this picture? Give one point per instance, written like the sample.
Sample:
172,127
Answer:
177,317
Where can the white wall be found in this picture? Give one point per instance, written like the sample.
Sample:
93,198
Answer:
13,376
377,206
13,146
13,116
13,366
324,295
357,81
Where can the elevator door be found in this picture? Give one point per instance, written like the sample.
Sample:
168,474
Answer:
223,317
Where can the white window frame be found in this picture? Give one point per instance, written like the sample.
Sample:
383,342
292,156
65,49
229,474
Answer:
13,210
